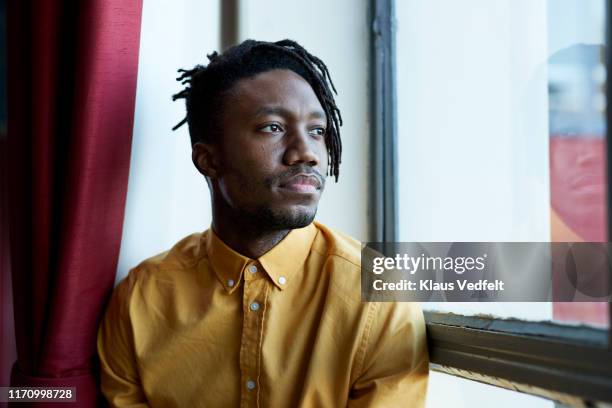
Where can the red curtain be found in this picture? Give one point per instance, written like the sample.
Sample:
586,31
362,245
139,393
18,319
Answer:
72,69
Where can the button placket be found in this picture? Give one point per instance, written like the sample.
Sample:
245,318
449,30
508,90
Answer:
254,306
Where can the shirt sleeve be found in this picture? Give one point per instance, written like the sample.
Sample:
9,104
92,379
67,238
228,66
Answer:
119,376
394,368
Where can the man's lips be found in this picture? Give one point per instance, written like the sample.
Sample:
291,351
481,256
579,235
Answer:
302,183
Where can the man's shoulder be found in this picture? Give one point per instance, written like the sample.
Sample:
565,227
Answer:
183,256
338,245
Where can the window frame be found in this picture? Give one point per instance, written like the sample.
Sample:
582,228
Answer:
568,364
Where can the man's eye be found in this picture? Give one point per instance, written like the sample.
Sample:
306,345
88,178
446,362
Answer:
318,131
272,128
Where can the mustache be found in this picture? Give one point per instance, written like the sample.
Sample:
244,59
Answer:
287,175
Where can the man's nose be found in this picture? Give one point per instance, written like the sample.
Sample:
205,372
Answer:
301,148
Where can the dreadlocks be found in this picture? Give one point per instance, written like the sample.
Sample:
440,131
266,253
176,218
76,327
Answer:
205,87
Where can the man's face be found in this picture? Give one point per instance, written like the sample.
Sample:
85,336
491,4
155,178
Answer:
270,151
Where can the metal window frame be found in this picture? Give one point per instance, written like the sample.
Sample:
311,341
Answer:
569,364
229,27
383,140
609,138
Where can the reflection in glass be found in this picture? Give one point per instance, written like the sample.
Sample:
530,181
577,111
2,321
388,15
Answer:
577,129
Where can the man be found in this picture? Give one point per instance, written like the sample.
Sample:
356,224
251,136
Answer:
263,308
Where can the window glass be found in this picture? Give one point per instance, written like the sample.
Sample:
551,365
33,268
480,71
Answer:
501,130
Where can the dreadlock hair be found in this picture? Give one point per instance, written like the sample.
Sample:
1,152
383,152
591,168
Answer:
206,86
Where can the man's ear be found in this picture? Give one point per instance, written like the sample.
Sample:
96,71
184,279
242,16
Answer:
204,157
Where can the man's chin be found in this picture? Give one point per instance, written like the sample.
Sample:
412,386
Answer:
290,218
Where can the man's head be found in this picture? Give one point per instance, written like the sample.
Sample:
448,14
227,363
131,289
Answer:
264,129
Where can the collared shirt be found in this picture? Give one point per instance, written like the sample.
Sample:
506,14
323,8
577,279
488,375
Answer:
203,326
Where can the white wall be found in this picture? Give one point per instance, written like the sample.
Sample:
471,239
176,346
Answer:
167,198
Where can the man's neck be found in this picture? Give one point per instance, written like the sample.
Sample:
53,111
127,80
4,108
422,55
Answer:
247,240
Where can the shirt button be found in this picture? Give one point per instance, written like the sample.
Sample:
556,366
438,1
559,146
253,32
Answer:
252,268
282,280
230,282
250,384
254,306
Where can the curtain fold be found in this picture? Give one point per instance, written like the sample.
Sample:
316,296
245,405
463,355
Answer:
72,69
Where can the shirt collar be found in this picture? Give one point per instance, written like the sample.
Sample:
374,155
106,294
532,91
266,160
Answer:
288,256
280,263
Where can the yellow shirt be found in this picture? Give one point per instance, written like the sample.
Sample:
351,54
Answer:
203,326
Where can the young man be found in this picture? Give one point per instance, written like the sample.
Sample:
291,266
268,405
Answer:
264,308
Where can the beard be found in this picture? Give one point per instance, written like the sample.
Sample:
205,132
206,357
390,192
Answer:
272,218
267,216
269,219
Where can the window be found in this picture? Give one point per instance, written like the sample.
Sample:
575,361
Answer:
490,125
